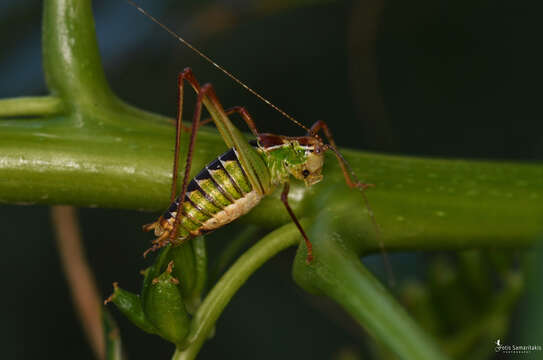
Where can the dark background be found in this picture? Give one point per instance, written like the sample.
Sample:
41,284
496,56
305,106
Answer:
428,78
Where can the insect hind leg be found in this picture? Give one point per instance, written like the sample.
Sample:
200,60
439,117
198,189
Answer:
168,235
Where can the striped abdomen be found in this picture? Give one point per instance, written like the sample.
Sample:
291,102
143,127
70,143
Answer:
219,194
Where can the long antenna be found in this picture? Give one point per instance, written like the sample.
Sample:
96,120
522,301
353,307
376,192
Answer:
349,170
209,60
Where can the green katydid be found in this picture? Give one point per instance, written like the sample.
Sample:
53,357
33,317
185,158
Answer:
236,181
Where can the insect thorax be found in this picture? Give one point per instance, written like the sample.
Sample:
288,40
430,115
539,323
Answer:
292,158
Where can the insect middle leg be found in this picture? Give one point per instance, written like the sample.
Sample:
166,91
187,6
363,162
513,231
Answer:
284,199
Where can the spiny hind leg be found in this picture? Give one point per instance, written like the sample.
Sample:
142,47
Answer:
206,91
167,235
207,96
188,76
244,115
284,199
188,128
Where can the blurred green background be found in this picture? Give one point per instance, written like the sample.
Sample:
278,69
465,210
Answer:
430,78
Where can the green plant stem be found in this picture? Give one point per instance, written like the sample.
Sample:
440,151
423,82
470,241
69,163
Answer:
341,276
112,337
231,281
31,106
233,249
81,81
101,152
338,273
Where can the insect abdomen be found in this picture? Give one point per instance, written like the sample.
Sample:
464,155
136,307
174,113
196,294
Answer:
219,194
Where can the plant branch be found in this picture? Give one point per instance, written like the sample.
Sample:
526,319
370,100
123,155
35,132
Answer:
79,276
102,152
31,106
338,273
231,281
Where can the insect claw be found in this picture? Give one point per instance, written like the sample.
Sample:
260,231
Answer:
309,259
158,243
151,249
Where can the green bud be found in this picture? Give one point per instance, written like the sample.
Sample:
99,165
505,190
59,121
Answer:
130,305
190,268
164,307
184,267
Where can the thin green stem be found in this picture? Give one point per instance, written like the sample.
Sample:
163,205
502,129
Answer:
228,285
31,106
233,248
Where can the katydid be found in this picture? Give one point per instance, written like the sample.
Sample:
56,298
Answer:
236,181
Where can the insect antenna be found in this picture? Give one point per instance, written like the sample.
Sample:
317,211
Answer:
219,67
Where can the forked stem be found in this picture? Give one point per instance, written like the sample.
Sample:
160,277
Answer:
229,284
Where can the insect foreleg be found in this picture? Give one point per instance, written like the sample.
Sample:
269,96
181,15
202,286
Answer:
348,174
352,181
313,131
284,199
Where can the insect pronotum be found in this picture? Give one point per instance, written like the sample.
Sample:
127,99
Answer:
235,182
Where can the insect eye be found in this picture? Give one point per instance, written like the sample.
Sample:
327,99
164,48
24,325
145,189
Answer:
305,173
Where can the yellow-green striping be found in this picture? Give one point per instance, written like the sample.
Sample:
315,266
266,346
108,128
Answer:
188,224
192,212
182,233
234,170
211,189
223,180
198,198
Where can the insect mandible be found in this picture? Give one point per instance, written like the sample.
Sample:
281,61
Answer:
235,182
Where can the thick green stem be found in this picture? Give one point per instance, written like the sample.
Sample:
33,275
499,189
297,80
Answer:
107,154
71,59
342,277
101,152
338,273
31,106
228,285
